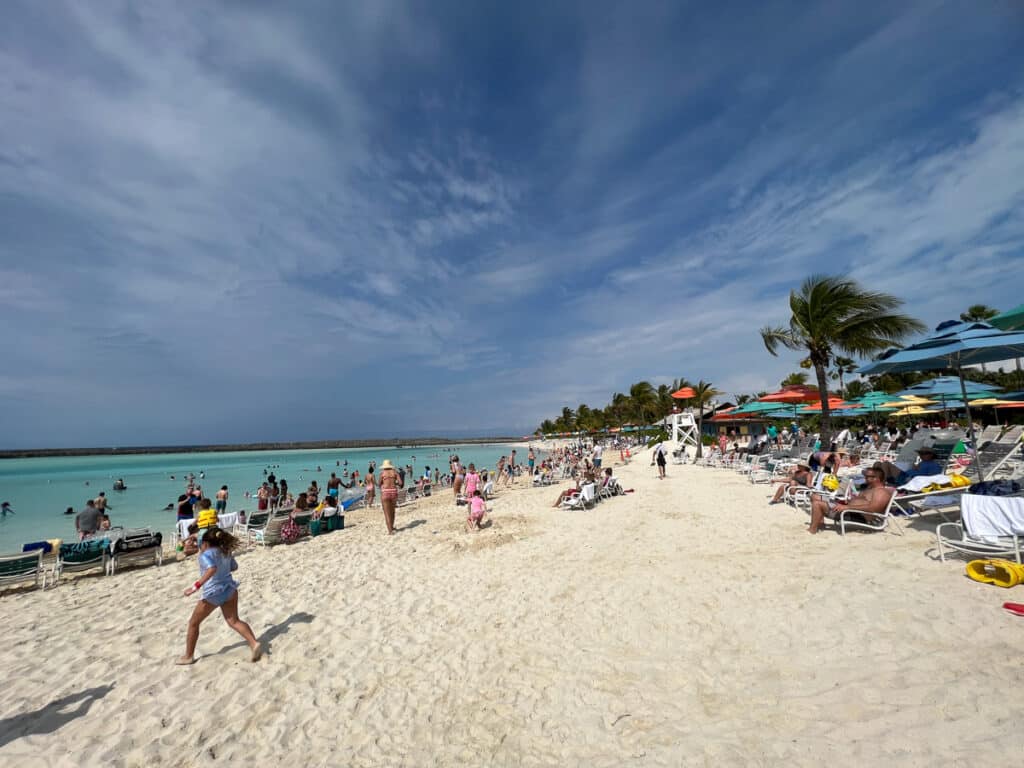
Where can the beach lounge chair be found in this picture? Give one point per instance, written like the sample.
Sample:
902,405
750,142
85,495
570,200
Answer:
81,557
254,525
585,498
22,567
270,534
136,546
871,522
989,526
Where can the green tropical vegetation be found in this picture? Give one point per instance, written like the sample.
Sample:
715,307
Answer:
704,393
794,380
979,313
644,405
833,316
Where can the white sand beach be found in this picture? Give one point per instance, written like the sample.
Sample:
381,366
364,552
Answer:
688,623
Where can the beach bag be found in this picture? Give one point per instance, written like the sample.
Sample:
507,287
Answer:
314,527
290,532
830,483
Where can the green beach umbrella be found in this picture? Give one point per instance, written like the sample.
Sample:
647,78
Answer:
1010,320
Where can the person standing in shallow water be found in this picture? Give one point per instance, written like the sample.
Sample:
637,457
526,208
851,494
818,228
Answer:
389,481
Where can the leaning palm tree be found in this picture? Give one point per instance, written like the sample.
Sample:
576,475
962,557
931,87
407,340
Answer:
833,315
703,394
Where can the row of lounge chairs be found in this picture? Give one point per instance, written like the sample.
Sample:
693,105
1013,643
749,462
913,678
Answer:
119,548
999,449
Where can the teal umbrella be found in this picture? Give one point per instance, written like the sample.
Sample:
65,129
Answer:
953,345
1011,320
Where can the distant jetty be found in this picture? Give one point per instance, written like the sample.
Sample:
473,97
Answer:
383,444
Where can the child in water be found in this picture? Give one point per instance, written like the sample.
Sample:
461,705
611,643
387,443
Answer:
219,591
477,510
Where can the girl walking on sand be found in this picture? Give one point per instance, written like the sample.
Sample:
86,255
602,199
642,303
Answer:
219,591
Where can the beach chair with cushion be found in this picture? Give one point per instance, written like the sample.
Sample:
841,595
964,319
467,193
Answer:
81,557
21,568
136,546
989,526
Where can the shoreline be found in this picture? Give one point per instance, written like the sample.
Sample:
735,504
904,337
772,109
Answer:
687,622
306,445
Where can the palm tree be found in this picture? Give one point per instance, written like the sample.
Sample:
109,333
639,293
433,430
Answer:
743,399
832,315
979,313
665,401
644,401
568,419
844,366
704,393
795,380
855,389
620,407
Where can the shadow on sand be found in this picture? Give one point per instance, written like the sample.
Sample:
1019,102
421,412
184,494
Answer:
53,716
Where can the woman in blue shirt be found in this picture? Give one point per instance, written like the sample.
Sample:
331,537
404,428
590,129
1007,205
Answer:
219,591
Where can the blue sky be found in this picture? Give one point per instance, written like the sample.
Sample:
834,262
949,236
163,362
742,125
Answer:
245,221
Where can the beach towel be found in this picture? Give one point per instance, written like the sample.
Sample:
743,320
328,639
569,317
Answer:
46,546
989,517
917,484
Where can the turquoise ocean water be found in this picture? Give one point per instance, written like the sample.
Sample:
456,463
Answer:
39,490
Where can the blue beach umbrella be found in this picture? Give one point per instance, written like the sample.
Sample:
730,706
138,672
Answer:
945,388
953,345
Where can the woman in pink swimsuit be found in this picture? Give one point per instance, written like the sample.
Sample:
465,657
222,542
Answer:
390,482
472,481
370,488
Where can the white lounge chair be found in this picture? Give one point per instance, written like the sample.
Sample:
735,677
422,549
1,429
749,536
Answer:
135,546
22,567
989,526
872,521
78,558
585,498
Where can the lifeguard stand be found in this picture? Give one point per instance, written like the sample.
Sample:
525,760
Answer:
684,429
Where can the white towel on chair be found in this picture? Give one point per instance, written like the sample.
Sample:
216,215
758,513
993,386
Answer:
989,517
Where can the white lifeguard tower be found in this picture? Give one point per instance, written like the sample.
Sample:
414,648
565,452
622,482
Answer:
684,429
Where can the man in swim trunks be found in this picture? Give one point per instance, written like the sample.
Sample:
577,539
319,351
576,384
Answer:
870,503
334,486
222,500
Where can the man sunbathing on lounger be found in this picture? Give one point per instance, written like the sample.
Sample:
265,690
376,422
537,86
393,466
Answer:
870,503
799,477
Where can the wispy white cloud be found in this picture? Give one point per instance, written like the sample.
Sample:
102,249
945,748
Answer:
317,208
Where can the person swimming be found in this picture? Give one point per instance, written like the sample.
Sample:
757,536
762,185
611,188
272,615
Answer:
5,509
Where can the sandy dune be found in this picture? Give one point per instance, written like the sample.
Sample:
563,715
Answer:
685,624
